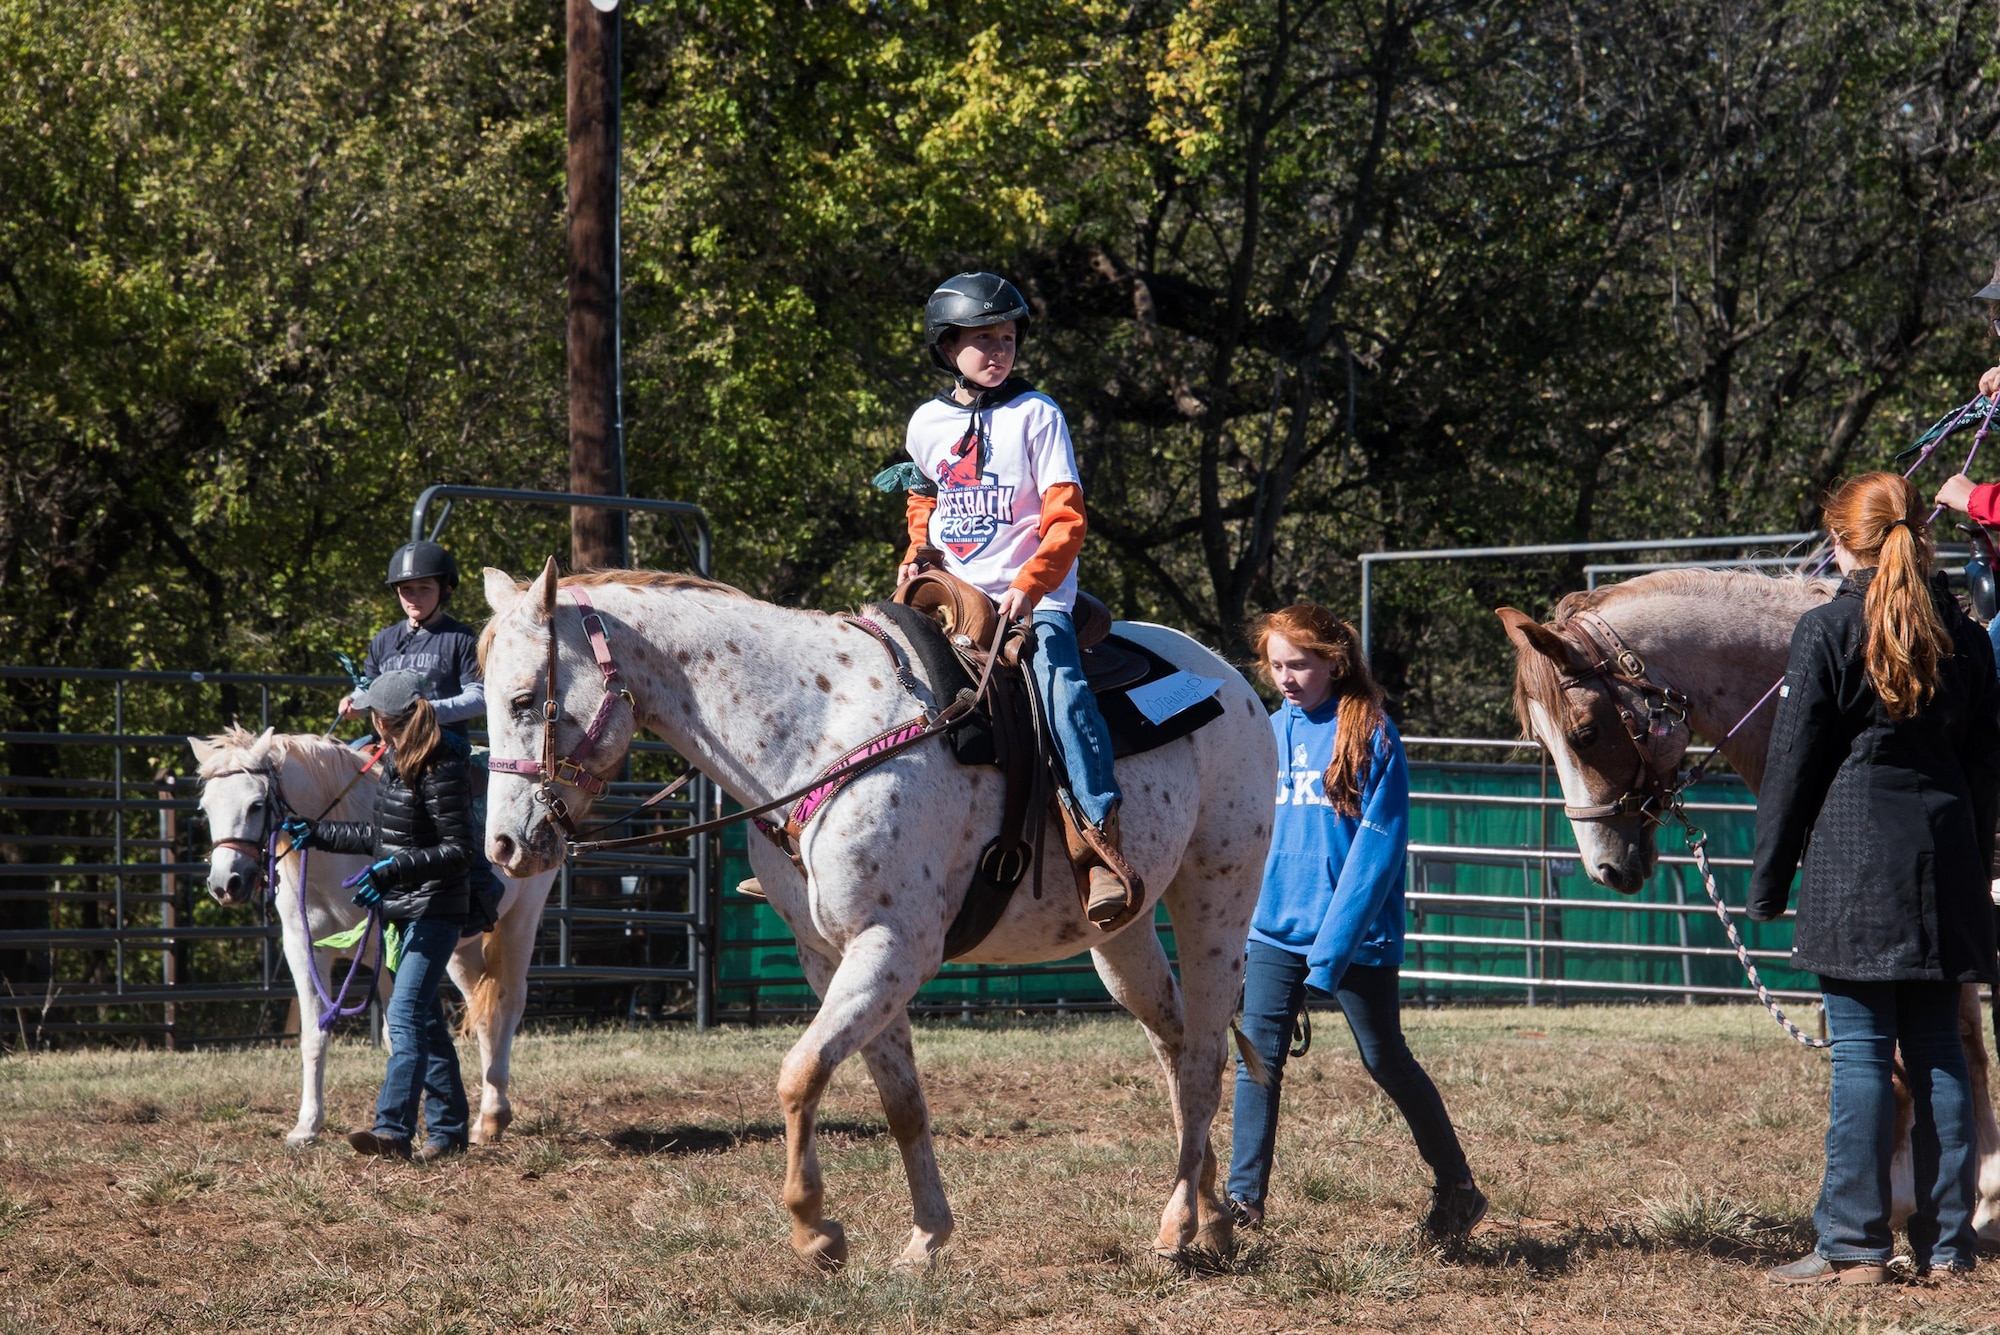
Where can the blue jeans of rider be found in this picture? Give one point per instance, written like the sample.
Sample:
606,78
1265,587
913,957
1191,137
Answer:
423,1062
1274,988
1078,727
1867,1022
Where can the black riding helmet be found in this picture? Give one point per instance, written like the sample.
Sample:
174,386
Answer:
423,560
972,301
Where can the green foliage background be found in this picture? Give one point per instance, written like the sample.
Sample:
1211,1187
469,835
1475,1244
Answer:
1310,279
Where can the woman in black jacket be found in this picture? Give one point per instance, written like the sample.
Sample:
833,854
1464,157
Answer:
1881,774
422,841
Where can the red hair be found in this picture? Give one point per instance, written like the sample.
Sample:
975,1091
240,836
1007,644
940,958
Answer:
1319,632
1879,517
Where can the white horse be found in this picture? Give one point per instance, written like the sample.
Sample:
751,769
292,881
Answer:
1719,640
762,698
250,782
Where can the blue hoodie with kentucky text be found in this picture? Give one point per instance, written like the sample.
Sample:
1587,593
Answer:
1333,885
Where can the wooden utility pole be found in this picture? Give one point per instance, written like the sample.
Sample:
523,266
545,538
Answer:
596,407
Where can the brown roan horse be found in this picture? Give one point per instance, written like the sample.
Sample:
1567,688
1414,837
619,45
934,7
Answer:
1618,683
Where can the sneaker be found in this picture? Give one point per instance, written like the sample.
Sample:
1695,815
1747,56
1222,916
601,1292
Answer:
1455,1211
1813,1268
1244,1213
368,1144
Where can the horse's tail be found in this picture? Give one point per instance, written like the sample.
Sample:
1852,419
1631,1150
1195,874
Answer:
1254,1064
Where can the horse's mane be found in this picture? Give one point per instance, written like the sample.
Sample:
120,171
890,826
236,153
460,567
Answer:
636,579
1537,678
326,764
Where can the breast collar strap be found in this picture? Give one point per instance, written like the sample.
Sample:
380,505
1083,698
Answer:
1617,669
570,771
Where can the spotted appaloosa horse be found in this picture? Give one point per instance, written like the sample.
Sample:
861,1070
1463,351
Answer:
761,698
1720,639
241,773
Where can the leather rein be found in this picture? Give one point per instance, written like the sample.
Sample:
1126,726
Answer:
571,770
1617,671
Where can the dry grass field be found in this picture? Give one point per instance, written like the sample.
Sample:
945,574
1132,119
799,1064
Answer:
1645,1166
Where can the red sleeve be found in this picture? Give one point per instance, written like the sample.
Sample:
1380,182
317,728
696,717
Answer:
1984,503
917,517
1062,539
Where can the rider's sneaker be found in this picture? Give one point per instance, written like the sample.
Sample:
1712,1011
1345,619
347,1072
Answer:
1455,1211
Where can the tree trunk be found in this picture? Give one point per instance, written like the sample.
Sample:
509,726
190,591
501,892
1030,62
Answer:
596,419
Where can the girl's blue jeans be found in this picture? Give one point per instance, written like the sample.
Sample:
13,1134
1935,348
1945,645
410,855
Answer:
1867,1022
423,1062
1274,988
1074,720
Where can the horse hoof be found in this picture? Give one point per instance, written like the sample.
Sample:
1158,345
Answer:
922,1249
492,1126
299,1140
824,1247
1218,1235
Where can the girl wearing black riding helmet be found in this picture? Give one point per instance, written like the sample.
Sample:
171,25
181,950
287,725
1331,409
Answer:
995,501
429,641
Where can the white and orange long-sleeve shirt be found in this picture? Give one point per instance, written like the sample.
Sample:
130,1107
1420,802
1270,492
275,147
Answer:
1009,509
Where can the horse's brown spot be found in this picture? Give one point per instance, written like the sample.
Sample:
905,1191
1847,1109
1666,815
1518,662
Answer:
1167,797
708,655
1214,951
927,871
683,657
730,645
819,679
895,799
875,682
840,699
843,660
885,902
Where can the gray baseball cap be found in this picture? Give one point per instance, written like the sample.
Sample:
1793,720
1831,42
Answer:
392,693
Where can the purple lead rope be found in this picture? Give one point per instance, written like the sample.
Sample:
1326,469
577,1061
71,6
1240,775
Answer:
333,1009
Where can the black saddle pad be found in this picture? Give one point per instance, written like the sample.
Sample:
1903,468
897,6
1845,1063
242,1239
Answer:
1113,669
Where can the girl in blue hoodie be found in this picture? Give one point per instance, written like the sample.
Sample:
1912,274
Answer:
1330,917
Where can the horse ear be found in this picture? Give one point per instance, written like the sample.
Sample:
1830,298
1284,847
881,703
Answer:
1531,636
536,595
203,749
501,591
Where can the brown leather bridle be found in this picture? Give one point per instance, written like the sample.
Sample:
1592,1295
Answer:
1618,672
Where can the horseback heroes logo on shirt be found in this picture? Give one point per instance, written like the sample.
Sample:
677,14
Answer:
971,507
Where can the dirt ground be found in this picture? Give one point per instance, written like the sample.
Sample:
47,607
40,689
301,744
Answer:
1645,1166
